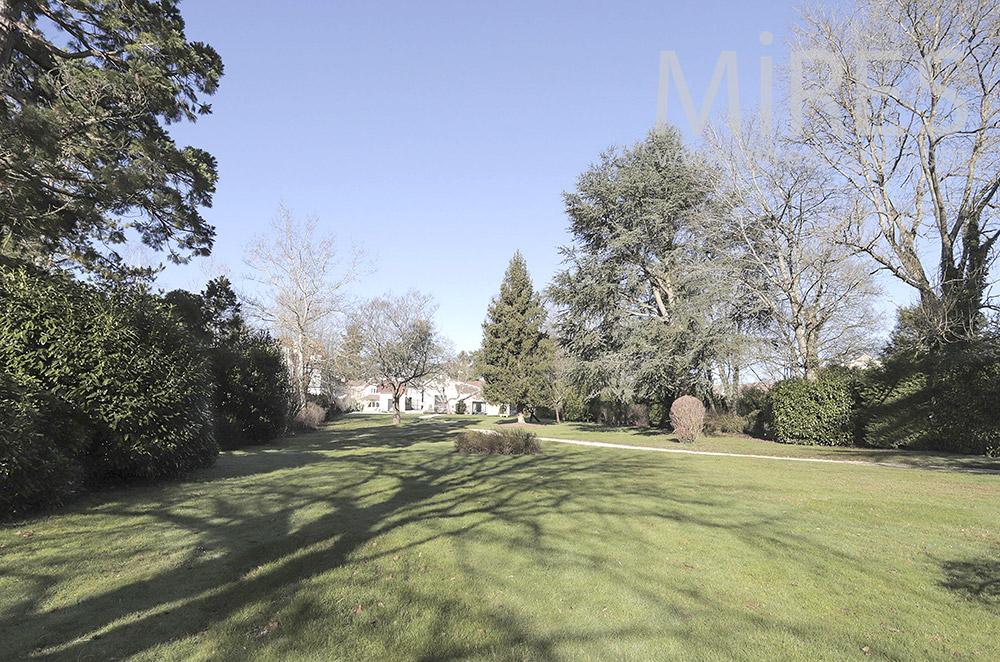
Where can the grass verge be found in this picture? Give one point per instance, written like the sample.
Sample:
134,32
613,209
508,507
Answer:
656,438
368,542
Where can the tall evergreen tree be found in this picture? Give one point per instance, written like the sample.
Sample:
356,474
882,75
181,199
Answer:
515,359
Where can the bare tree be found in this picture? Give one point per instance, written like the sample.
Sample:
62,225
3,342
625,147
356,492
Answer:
785,215
400,347
304,288
901,98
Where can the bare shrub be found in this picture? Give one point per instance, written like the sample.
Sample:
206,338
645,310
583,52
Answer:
687,417
500,442
310,417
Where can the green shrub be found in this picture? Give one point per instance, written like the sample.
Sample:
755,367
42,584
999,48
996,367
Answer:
506,441
945,401
818,412
966,405
35,471
897,406
460,407
133,377
754,406
253,390
724,423
574,406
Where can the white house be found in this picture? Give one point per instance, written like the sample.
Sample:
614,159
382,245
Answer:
437,396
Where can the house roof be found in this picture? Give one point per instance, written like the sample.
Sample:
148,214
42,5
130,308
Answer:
465,388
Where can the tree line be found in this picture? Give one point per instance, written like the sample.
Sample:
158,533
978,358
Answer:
686,271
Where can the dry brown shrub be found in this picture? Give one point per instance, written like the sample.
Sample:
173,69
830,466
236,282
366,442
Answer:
310,417
687,417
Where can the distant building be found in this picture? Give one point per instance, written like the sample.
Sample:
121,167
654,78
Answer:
436,396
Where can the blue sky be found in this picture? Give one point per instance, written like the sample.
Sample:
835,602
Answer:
442,134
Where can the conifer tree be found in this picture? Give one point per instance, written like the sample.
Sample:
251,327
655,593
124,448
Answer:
514,360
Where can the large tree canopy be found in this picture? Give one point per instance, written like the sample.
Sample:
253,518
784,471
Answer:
901,98
633,300
87,90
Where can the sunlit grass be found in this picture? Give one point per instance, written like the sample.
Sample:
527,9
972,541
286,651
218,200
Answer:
658,438
368,542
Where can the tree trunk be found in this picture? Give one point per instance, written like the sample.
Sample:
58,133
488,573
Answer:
802,345
395,410
520,415
555,408
299,369
10,13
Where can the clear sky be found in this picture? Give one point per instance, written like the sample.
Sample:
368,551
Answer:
442,134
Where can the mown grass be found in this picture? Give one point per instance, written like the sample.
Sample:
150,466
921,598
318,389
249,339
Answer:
658,438
367,542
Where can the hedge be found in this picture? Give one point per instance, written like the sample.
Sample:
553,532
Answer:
818,412
127,386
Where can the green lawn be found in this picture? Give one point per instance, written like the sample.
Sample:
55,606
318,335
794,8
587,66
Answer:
367,542
743,445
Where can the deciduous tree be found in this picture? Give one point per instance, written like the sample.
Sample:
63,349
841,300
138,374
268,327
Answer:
901,98
779,241
401,346
304,281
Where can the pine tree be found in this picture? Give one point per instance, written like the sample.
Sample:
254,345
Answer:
88,91
514,359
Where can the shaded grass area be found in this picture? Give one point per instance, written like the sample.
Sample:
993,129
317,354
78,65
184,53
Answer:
368,542
656,438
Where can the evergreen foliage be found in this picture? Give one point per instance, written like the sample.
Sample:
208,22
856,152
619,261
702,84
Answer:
931,397
125,387
87,89
515,359
814,412
635,301
252,389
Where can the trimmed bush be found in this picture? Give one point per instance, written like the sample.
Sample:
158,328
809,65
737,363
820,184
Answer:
506,441
687,417
460,407
818,412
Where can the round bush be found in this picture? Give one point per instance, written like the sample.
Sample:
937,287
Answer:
687,417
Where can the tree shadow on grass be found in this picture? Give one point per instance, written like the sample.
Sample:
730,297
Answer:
307,512
974,579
